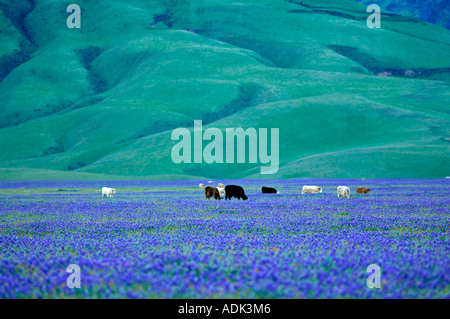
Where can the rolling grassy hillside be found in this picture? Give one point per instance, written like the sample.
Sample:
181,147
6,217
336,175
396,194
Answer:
349,101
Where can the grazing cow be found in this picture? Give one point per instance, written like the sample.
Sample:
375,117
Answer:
234,191
343,191
363,190
109,192
221,185
311,189
221,191
201,185
211,191
269,190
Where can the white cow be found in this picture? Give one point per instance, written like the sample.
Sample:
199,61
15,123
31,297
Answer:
201,185
221,185
221,191
343,191
109,192
311,189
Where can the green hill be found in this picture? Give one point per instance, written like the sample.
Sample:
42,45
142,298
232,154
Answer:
349,101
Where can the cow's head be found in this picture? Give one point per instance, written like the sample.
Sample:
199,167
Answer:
367,191
113,190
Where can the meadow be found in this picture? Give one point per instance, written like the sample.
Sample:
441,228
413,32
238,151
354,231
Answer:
165,240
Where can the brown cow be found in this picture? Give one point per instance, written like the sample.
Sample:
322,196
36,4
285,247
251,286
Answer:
211,191
363,190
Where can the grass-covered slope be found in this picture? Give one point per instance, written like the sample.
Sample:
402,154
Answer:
349,101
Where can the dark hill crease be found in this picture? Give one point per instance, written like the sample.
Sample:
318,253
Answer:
18,15
27,47
86,56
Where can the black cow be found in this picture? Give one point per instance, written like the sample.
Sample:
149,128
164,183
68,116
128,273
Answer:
234,191
269,190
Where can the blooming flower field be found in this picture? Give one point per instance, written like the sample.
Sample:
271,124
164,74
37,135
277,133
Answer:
164,240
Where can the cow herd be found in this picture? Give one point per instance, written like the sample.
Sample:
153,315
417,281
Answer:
238,192
230,191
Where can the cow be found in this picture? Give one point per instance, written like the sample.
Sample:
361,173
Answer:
109,192
211,191
234,191
311,189
343,191
201,185
221,191
221,185
269,190
363,190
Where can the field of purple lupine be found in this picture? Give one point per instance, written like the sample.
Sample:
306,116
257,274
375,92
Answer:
165,240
